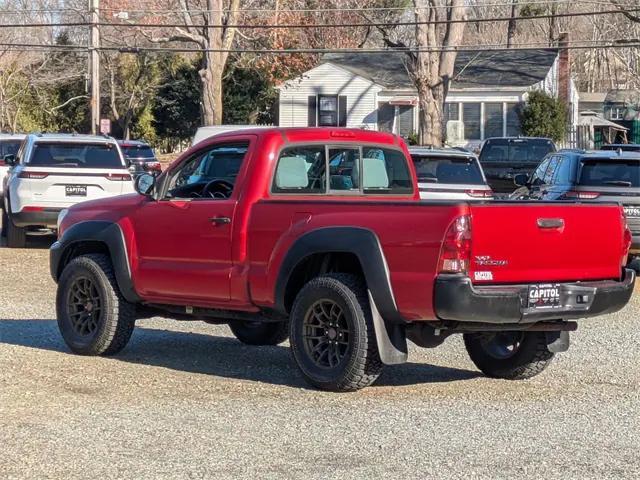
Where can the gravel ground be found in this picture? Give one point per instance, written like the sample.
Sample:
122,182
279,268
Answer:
185,400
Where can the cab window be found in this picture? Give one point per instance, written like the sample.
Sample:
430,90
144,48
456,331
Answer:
385,171
301,170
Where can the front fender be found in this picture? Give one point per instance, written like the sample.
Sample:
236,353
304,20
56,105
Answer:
89,232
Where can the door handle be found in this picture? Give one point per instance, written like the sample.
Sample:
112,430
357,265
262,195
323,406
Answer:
220,220
550,223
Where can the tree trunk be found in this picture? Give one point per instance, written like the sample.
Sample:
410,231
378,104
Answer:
211,78
431,101
511,28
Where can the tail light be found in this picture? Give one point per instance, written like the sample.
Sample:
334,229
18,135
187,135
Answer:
479,193
153,167
627,239
33,175
33,209
580,195
2,164
455,253
118,177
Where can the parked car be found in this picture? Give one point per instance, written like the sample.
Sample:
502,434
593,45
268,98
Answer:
9,145
625,147
140,157
505,157
348,265
448,173
54,171
599,176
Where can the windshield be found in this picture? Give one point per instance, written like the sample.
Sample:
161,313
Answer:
610,173
516,150
9,147
78,155
138,151
448,170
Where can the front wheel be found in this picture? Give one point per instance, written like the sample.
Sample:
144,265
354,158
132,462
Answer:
16,236
260,333
332,334
510,355
93,316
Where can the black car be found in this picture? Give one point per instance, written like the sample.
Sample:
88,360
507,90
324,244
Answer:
625,147
140,157
597,176
504,157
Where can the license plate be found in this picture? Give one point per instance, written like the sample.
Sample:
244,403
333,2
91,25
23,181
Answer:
545,296
75,190
632,211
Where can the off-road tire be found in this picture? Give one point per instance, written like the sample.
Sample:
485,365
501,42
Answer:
260,333
16,236
361,364
117,317
531,358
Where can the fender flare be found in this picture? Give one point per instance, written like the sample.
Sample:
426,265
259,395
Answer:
388,323
105,232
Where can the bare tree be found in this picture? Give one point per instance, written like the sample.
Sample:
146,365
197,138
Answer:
511,27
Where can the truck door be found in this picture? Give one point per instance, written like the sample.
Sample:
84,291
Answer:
183,239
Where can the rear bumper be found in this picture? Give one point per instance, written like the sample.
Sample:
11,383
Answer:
45,218
456,299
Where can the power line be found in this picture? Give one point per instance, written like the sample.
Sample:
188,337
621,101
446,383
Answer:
248,26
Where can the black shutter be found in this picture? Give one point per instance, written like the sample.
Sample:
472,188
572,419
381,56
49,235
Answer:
311,112
342,111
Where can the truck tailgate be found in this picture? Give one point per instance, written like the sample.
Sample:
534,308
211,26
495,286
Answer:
545,242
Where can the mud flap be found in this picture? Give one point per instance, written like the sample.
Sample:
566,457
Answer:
557,341
391,338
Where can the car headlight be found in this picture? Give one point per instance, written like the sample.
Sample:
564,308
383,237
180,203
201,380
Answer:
61,215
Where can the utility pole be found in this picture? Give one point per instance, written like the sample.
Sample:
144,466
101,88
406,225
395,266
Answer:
94,66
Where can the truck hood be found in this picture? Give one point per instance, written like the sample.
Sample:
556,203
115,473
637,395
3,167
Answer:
106,209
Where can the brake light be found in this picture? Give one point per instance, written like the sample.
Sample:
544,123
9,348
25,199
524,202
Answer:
118,177
33,209
479,193
579,195
627,239
455,253
2,164
33,175
153,166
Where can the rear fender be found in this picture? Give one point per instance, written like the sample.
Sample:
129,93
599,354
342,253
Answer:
106,233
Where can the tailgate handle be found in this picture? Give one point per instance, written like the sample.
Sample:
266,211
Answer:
550,223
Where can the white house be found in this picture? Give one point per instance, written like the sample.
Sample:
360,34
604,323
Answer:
373,91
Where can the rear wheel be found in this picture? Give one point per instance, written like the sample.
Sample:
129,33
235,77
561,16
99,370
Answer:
260,333
509,355
16,236
332,335
93,316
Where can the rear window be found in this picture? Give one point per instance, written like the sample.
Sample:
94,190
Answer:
516,150
9,147
75,155
610,173
447,170
138,151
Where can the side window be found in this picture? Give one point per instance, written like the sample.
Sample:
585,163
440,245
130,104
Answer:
344,169
550,174
209,173
538,175
301,170
385,171
563,172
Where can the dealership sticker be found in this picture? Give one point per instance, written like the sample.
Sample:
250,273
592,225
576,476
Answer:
483,275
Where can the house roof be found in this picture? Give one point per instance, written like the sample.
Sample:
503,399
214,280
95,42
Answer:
484,69
592,97
622,96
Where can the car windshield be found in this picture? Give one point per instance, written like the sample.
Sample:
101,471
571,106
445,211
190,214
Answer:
610,173
138,151
9,147
79,155
630,147
448,170
516,150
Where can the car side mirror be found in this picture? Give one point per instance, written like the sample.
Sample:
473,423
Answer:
9,159
145,184
521,179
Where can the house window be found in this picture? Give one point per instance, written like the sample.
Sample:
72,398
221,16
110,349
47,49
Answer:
396,119
492,120
405,120
471,119
327,110
617,113
451,111
513,120
386,114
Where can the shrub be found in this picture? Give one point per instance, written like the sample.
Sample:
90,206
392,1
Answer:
544,116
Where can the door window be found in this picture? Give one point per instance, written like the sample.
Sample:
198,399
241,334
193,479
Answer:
208,174
563,172
550,173
538,175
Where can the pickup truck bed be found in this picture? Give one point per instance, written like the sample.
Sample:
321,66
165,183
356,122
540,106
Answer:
349,268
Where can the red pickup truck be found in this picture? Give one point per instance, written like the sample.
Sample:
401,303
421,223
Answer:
319,235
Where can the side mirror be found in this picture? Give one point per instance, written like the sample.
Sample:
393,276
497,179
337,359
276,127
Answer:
10,160
521,179
145,184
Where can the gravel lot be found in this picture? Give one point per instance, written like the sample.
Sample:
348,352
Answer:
185,400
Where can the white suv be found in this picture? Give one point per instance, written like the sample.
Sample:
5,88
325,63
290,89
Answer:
54,171
9,145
